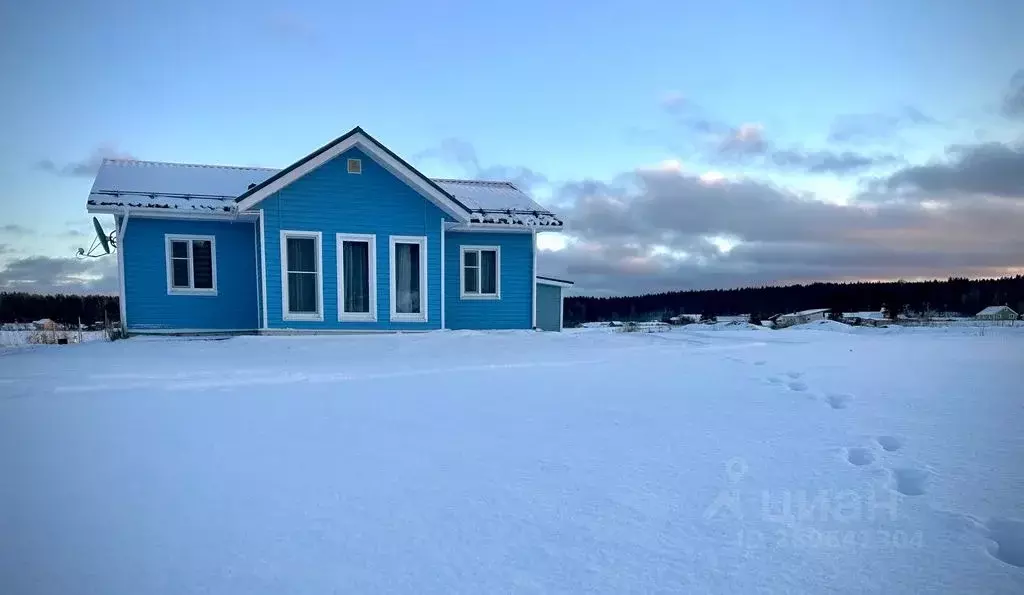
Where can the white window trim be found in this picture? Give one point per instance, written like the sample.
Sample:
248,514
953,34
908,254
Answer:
422,241
317,316
463,294
190,290
370,239
348,166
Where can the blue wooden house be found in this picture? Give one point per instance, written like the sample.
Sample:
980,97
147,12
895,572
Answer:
348,238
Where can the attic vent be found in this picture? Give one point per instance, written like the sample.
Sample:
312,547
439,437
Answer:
355,166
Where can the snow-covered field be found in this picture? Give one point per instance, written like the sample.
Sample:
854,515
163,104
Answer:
873,461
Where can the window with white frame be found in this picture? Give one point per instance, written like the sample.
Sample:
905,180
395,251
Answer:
191,264
409,278
481,272
357,276
302,275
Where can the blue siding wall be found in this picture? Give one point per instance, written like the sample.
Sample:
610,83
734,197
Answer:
331,201
514,309
145,266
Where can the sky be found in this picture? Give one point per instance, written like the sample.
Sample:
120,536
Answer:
687,145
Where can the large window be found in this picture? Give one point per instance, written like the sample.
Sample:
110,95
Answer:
302,275
357,277
191,265
481,272
409,278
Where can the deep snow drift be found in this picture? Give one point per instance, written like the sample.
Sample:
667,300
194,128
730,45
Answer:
582,462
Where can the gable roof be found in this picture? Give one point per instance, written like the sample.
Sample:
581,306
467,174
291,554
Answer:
994,310
220,190
356,137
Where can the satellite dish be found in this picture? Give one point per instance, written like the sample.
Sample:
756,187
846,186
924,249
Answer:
101,235
103,241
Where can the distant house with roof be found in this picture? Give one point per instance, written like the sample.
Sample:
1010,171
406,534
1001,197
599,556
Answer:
997,313
348,238
801,317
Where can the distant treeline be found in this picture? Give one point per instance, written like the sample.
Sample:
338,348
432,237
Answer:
63,309
955,295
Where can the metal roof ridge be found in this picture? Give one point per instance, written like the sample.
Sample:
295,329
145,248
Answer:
144,162
481,182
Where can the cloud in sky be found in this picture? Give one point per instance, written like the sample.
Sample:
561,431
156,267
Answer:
745,139
991,168
86,167
834,162
1013,102
717,141
876,126
662,229
14,229
463,154
43,274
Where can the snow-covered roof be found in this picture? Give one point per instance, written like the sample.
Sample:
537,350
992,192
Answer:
498,202
157,185
994,310
191,187
870,315
808,312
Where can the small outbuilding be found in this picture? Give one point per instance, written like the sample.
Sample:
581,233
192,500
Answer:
801,317
551,302
996,313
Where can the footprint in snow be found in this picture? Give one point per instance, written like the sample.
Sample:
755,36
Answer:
796,385
760,362
890,443
838,400
774,380
1007,537
910,481
794,375
860,456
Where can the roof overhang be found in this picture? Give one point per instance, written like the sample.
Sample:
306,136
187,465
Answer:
493,228
552,281
157,213
378,152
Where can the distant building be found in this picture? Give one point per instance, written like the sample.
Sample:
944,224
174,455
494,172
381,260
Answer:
996,313
44,324
801,317
867,318
866,315
17,326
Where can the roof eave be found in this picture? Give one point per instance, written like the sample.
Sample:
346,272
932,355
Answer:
506,227
553,281
167,213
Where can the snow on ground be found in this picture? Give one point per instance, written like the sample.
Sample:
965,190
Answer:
589,461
